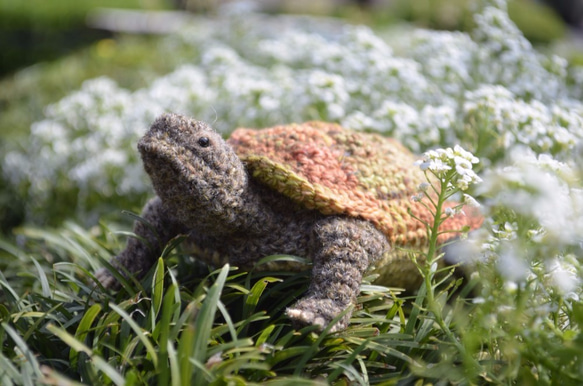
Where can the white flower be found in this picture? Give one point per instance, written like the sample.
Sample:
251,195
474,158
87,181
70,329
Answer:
449,211
441,161
358,121
539,188
417,197
435,165
506,231
510,287
543,128
470,201
424,186
511,264
563,274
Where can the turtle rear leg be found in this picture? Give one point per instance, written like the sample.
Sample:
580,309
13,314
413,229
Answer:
343,249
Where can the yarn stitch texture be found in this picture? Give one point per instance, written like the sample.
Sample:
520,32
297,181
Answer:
337,197
338,171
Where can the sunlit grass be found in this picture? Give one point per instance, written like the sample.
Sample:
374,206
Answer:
227,327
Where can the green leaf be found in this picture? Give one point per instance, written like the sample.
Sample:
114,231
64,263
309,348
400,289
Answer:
82,330
139,333
172,245
316,345
228,319
348,361
24,349
265,335
9,372
157,288
294,381
286,258
14,298
252,299
236,346
46,288
169,305
174,365
184,365
125,282
98,361
289,352
195,337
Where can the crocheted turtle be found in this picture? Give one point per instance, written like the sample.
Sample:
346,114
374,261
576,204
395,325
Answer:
338,197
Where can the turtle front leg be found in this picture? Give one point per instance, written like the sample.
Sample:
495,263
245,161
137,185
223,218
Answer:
141,253
343,250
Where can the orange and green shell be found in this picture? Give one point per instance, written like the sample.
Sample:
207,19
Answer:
334,170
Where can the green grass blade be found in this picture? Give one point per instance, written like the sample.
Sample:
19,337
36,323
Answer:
83,329
347,362
414,316
8,372
240,345
200,372
169,305
52,377
228,320
287,258
13,250
174,365
24,349
287,353
172,245
382,348
14,298
44,282
316,345
252,299
204,322
293,381
139,333
184,367
98,361
264,335
157,288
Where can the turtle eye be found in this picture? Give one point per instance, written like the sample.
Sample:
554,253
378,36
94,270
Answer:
204,142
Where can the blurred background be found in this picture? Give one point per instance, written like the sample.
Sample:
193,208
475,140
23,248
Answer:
48,48
37,30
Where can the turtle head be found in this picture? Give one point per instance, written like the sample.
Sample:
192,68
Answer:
194,171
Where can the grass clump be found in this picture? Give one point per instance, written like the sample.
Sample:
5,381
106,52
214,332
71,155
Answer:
226,327
38,30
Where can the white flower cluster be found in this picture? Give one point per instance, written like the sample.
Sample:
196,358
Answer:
564,274
495,112
447,59
441,162
506,58
84,142
544,200
257,71
540,188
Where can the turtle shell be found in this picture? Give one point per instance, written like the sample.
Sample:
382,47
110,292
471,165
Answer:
334,170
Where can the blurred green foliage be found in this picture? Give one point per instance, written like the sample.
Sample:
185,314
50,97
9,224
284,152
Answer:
131,60
35,30
539,23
